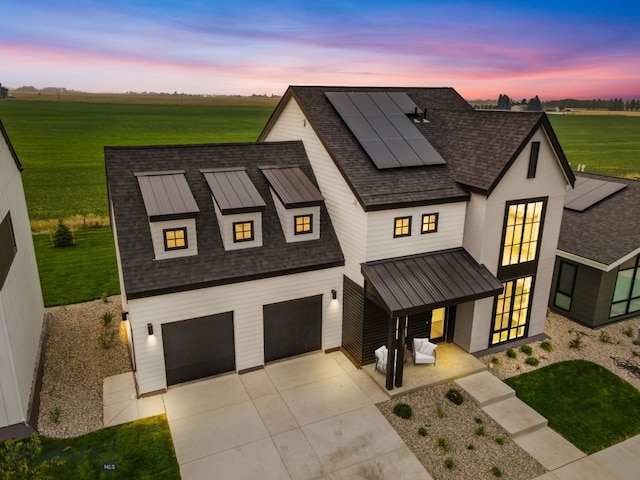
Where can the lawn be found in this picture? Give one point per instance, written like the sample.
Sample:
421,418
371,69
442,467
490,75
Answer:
75,274
584,402
138,450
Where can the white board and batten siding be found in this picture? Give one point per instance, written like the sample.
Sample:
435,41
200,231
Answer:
21,305
246,301
347,216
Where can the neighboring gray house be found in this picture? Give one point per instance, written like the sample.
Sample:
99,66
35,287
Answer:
436,220
21,306
597,276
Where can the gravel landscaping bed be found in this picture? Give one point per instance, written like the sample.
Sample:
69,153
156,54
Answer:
75,365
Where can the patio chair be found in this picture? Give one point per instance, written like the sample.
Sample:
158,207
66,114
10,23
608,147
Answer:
381,358
424,351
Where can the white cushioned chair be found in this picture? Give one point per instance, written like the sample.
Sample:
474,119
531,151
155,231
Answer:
381,358
424,351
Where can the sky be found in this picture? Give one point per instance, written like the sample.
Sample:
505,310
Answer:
553,49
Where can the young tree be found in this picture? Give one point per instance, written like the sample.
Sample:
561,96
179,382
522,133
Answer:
4,91
63,236
534,104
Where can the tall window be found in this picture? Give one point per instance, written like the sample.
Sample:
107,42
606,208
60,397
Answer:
429,223
522,232
243,231
8,247
626,295
564,288
175,238
512,311
402,227
303,224
533,159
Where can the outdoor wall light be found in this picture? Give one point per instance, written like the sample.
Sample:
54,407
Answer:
334,294
150,328
124,315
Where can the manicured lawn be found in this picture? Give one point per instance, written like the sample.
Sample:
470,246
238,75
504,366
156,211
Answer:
139,450
584,402
80,273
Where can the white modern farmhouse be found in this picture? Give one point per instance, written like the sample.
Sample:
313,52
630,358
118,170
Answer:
21,306
362,217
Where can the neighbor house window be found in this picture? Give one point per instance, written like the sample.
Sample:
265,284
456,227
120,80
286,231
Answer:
626,295
430,223
522,232
512,311
243,231
8,247
402,227
533,159
566,283
303,224
175,238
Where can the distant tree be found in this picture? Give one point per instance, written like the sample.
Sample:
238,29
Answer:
523,101
63,236
534,104
4,91
504,102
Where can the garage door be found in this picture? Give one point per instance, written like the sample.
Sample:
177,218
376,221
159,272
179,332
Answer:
199,347
292,328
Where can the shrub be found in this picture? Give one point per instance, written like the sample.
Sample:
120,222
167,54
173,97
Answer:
54,415
546,345
576,342
455,396
499,440
628,331
471,446
439,412
442,443
403,410
496,471
422,432
22,459
480,431
62,236
604,337
533,361
107,318
104,297
495,361
107,337
449,463
478,420
526,349
511,353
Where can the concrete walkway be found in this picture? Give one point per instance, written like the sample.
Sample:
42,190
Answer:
529,430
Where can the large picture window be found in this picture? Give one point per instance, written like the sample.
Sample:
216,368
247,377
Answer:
511,317
565,286
626,295
8,247
522,232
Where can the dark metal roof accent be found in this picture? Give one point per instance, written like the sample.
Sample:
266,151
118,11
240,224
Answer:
233,190
383,129
589,191
292,186
11,149
408,285
166,195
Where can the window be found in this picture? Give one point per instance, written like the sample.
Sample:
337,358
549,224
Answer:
564,288
512,311
626,295
303,224
402,227
8,247
522,232
533,159
243,231
429,223
175,238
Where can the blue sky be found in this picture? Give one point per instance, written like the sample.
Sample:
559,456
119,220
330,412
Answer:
551,49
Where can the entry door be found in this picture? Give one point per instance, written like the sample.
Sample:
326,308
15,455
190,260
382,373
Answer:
438,324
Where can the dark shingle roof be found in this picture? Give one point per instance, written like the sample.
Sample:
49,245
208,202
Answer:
144,276
606,231
4,133
478,146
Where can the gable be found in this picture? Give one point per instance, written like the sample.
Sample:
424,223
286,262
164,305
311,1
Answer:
12,152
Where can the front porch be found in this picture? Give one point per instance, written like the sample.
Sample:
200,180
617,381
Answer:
452,363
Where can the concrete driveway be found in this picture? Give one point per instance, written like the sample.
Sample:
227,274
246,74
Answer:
312,417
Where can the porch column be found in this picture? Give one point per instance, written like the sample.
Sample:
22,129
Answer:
391,355
401,328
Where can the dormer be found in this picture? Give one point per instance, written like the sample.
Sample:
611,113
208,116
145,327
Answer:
238,207
171,211
297,202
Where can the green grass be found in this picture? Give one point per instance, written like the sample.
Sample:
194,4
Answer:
584,402
139,450
60,144
80,273
606,144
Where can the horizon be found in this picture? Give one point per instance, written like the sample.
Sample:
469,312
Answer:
583,51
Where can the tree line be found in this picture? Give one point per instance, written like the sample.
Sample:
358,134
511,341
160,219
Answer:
534,104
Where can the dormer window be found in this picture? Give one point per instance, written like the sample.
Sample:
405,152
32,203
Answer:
243,231
402,227
303,224
175,239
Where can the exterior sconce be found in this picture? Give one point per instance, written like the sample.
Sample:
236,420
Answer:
150,328
334,294
124,315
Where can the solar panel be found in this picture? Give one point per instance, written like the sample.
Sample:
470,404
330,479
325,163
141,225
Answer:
589,191
379,122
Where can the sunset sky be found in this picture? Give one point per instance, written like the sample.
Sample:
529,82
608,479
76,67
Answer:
553,49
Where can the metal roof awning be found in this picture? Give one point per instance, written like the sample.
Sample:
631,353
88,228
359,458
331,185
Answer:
167,195
416,283
292,186
233,190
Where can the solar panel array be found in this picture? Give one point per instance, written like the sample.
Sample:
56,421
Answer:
380,123
589,191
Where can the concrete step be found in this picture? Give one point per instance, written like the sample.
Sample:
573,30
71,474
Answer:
549,448
515,416
485,388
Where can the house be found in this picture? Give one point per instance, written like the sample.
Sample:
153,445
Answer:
436,220
596,277
21,305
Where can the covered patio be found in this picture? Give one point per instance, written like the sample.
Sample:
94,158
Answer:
411,285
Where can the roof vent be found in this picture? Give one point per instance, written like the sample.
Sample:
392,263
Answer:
420,116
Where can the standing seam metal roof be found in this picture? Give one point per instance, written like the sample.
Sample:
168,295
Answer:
166,195
292,186
233,190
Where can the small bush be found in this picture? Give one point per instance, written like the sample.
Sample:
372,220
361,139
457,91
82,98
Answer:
471,446
511,353
107,337
455,396
495,361
62,236
478,420
499,440
526,349
533,361
422,432
54,415
442,443
480,431
576,342
604,337
403,410
546,345
496,471
439,412
107,318
104,297
628,331
449,463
